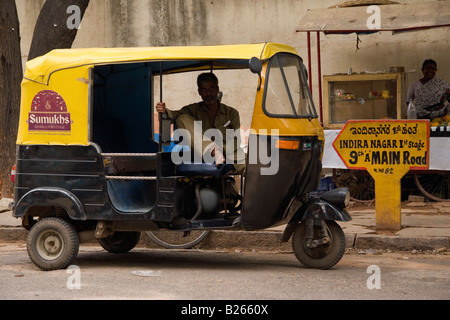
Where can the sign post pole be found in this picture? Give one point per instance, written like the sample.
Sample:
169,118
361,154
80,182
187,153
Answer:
387,149
388,200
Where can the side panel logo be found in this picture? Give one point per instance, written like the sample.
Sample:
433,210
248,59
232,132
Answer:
48,113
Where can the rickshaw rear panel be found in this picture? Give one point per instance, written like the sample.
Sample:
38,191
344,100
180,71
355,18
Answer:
77,175
76,169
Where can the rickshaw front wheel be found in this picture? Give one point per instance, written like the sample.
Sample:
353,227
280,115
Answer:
120,241
323,256
52,244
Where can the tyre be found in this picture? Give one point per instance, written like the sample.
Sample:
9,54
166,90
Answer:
323,256
52,244
120,241
177,239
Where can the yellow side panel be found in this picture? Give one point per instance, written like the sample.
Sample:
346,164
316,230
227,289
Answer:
56,114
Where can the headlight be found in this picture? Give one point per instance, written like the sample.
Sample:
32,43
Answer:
339,197
347,198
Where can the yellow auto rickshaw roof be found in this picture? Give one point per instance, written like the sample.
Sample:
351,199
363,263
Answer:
40,69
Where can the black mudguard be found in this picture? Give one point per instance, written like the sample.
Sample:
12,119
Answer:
51,196
315,208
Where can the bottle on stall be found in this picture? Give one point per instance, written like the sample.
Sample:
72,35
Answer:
411,113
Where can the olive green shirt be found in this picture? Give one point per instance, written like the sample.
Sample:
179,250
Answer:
226,118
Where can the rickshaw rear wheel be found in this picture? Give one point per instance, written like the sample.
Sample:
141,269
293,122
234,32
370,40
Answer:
120,241
323,256
52,244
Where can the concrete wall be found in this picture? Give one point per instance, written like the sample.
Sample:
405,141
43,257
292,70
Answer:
117,23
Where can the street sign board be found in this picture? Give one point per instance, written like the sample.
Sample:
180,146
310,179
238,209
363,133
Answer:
387,149
384,146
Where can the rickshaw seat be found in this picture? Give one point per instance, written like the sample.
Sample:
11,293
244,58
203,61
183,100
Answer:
204,169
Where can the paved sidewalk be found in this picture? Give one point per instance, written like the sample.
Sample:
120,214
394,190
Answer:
425,226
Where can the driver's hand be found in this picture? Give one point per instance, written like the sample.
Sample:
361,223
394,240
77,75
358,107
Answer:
218,156
161,107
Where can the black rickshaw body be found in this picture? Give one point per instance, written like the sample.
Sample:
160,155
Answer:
88,150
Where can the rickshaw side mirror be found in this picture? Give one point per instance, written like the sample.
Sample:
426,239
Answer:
255,66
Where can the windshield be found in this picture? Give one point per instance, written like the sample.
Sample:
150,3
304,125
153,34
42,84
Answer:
287,93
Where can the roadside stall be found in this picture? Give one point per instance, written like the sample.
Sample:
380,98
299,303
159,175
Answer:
374,95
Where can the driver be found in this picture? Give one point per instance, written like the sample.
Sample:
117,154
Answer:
213,115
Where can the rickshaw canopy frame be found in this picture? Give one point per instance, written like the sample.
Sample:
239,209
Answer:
40,69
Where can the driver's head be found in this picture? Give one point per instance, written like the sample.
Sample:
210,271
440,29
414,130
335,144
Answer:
207,77
208,87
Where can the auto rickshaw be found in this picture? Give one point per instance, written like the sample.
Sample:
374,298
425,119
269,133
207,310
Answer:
93,164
